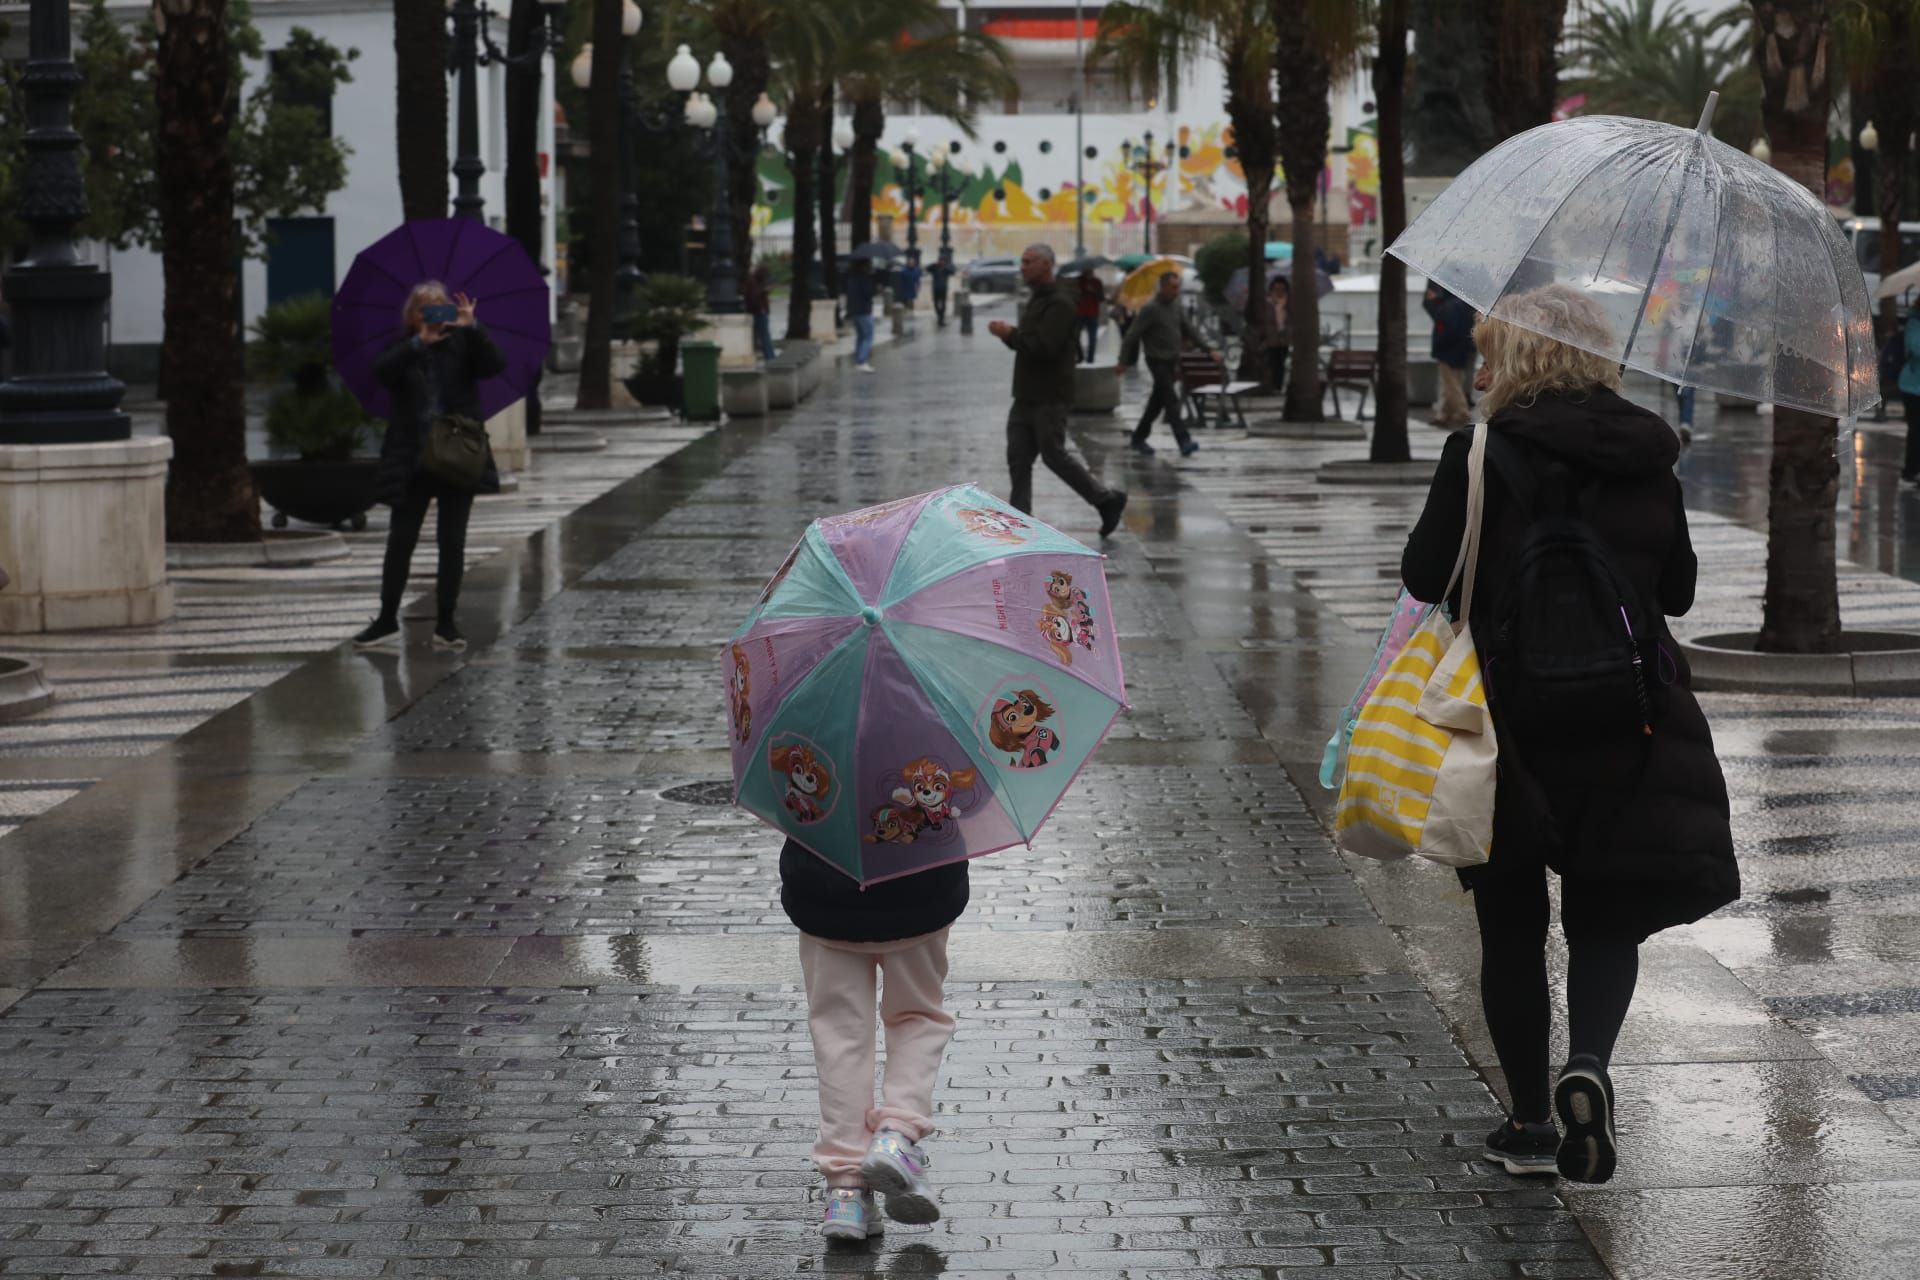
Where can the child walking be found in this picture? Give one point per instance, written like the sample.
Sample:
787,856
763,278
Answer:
895,931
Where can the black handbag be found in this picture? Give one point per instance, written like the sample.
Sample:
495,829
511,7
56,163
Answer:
456,452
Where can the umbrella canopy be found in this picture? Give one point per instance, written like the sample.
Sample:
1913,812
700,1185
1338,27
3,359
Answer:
1092,262
1137,289
1128,261
465,255
1236,291
1279,250
1899,282
1711,269
874,250
920,683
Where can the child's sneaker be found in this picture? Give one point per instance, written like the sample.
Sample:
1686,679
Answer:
1524,1149
850,1215
896,1165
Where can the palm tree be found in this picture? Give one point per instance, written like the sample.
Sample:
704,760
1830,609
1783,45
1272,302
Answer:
1149,42
1655,60
1519,44
1314,39
210,495
420,116
605,137
1390,96
1879,44
803,41
1800,612
907,51
829,192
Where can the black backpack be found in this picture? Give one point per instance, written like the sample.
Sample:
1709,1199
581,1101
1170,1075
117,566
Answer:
1573,645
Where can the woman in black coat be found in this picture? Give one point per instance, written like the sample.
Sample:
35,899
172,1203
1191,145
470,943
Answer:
435,370
1635,825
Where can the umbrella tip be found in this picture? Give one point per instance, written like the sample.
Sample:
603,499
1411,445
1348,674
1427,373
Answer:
1705,128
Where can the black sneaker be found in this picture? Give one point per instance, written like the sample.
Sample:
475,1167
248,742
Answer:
1584,1100
381,631
447,636
1142,448
1110,510
1190,448
1528,1149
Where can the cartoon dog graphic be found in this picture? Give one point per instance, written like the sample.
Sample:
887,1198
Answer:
808,780
929,790
741,691
1018,729
997,525
896,824
1061,593
1058,629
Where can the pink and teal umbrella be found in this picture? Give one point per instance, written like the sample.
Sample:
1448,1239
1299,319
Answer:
921,682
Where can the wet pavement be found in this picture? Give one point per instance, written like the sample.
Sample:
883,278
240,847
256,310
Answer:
416,965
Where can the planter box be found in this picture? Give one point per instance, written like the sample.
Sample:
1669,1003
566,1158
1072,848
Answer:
743,393
325,493
1096,389
782,381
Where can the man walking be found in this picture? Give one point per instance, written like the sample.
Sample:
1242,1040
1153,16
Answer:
1045,355
1160,328
1453,350
860,311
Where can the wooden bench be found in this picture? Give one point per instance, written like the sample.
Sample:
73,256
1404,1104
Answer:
1351,369
1204,382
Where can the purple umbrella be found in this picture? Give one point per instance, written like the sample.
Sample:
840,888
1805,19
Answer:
468,257
1236,291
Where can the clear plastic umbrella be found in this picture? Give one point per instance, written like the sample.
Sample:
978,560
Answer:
1713,270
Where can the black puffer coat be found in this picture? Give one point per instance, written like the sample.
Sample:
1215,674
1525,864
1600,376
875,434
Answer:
826,903
1642,822
461,361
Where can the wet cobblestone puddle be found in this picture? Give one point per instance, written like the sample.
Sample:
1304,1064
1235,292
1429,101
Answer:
479,990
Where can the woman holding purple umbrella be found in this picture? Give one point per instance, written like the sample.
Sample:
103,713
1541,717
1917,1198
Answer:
433,372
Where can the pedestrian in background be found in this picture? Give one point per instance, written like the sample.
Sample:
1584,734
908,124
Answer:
758,297
1160,329
1044,365
860,288
1090,303
1453,350
1910,397
1633,817
939,275
849,934
1278,340
434,371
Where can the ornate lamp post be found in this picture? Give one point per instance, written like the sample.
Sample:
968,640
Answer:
1150,166
904,159
723,284
473,47
626,277
58,391
949,180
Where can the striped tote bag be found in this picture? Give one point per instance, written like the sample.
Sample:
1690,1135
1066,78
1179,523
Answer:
1421,762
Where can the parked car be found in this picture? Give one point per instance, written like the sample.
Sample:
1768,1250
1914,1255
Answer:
991,275
1864,234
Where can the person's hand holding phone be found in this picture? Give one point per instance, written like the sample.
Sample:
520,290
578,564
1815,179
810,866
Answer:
434,319
466,311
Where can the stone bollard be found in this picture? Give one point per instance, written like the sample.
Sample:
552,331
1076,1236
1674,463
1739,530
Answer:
963,309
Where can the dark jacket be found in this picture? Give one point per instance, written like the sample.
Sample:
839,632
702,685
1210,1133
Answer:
860,286
1642,820
1160,327
754,295
1452,327
1046,347
1090,297
409,369
825,902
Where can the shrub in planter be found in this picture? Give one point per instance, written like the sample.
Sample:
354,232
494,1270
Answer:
311,414
666,310
1217,260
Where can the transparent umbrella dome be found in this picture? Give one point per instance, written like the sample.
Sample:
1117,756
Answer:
1712,270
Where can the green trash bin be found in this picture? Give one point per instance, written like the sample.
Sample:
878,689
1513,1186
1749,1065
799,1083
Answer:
700,381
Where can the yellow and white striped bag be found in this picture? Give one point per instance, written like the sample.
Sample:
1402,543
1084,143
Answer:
1421,764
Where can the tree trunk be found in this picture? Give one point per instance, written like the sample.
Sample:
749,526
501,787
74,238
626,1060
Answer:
829,198
1520,43
1303,316
1895,117
1389,95
1250,109
210,495
1304,118
605,138
801,161
420,101
752,73
1800,612
525,28
869,122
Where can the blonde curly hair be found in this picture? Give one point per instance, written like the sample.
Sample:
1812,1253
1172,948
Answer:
1522,361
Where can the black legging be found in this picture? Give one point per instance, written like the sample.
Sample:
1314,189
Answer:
403,534
1601,971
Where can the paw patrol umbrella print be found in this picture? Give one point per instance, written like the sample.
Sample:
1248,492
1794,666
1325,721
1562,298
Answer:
921,682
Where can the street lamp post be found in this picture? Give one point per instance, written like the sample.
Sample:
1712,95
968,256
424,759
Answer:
723,282
58,391
944,185
471,49
1151,167
911,181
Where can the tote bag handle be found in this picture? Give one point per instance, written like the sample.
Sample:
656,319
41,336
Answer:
1467,563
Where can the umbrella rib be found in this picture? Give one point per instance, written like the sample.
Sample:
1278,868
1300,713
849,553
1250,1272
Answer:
1666,238
1544,224
1713,267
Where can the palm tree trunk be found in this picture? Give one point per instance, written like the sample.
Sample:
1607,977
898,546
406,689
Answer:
801,162
829,198
1800,612
420,102
210,495
1250,109
1520,43
525,26
605,138
1303,315
869,122
1304,117
752,73
1895,118
1389,95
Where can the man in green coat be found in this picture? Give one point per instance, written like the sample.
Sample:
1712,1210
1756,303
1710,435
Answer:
1046,350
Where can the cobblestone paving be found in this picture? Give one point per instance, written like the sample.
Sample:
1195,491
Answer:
1175,1129
637,619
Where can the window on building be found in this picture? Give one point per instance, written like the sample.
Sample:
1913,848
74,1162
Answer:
1046,88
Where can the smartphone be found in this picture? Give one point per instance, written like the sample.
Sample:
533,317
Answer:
439,313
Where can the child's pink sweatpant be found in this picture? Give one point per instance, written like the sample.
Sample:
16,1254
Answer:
840,996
